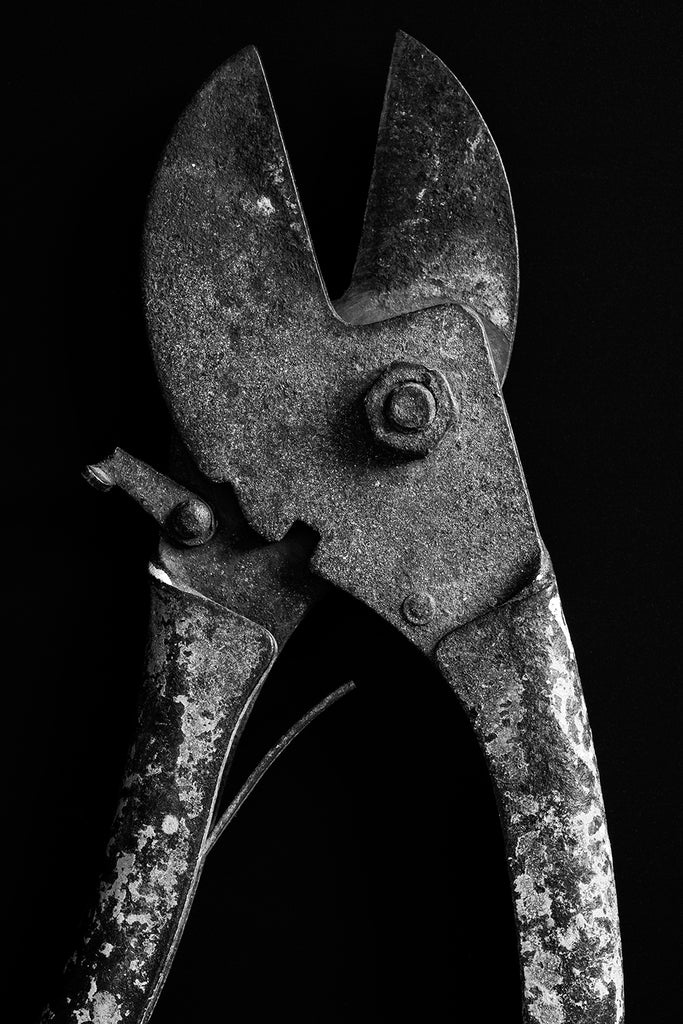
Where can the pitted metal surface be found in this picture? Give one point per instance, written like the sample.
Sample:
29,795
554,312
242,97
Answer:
284,408
205,665
515,673
267,384
439,224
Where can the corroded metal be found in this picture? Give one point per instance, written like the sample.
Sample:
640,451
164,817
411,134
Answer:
229,563
279,490
205,666
266,384
410,408
439,224
159,495
191,522
515,673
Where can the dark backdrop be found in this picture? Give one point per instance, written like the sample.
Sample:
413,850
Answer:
365,880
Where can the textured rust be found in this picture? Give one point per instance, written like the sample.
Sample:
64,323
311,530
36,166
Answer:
158,495
205,665
515,673
410,408
439,224
191,522
266,383
271,390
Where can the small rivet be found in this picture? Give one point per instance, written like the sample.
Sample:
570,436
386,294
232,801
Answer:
191,522
418,608
410,406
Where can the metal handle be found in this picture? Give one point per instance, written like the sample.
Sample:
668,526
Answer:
205,666
515,673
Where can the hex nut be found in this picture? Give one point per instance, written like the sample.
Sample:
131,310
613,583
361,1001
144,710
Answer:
409,408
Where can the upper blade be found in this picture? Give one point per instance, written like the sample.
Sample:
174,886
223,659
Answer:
229,268
439,224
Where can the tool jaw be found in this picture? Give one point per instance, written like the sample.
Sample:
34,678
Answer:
455,525
267,384
451,532
370,451
439,223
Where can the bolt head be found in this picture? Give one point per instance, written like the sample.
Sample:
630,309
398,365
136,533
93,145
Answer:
410,406
409,409
191,522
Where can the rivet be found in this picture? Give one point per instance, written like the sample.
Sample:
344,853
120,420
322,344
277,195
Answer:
191,522
418,608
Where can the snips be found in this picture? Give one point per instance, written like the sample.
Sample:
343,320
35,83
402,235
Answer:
362,445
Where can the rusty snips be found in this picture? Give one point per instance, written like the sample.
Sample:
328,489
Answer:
362,445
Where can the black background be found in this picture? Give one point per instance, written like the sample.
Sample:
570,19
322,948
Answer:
365,879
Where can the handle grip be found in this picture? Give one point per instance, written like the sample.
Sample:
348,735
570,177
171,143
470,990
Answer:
205,665
515,673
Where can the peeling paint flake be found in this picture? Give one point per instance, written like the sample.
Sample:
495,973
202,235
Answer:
203,665
264,206
515,673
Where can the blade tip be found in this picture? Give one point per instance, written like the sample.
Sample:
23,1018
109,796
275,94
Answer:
405,44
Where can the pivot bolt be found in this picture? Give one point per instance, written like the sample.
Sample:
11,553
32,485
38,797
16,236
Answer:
410,406
409,409
191,522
